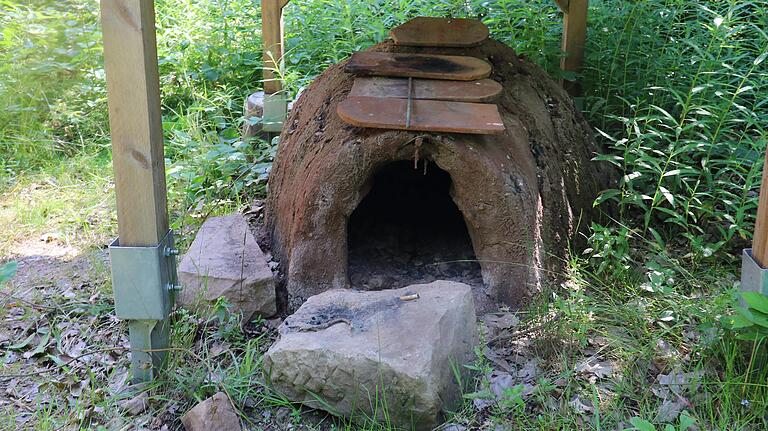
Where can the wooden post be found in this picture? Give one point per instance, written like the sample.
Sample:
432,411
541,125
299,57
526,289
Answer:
133,91
574,38
275,103
272,34
760,239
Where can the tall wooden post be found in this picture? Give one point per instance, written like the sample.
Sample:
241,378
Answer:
133,90
574,39
275,101
760,239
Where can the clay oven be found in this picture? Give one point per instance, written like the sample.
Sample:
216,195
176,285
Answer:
376,209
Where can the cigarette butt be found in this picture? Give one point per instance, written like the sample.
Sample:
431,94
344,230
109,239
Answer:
413,297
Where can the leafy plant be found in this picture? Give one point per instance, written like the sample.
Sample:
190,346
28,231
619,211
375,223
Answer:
687,136
750,322
684,423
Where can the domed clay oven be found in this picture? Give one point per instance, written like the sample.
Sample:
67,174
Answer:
375,209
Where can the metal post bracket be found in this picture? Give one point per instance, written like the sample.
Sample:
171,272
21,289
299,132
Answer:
144,279
754,278
275,112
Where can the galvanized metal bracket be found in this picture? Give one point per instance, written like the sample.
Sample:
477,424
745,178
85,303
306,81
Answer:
754,278
145,283
275,112
144,279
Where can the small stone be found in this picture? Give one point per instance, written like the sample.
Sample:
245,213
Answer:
215,413
225,261
351,348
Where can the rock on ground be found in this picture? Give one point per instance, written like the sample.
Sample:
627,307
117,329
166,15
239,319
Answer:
215,413
224,260
352,352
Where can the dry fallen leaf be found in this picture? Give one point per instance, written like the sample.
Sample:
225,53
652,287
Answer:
136,405
669,410
579,406
594,369
680,382
499,382
529,371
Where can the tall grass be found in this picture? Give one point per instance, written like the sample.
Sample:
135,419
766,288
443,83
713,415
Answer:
677,97
52,86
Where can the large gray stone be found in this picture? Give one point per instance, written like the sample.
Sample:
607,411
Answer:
352,352
215,413
224,260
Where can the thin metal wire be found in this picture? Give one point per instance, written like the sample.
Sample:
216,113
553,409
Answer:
410,104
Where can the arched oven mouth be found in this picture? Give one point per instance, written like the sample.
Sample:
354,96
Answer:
408,230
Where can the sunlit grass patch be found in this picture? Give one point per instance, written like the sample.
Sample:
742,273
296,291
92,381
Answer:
70,202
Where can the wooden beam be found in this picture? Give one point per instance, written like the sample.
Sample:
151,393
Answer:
272,35
563,5
760,239
133,90
574,39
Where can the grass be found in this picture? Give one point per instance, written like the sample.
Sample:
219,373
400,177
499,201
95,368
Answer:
72,200
674,88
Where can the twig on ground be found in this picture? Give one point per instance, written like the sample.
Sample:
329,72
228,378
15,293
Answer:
522,333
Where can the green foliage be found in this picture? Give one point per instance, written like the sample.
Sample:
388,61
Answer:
751,322
52,91
684,424
676,97
7,271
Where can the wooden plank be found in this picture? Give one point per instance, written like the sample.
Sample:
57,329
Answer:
760,238
451,67
426,115
484,90
574,38
133,93
440,32
272,35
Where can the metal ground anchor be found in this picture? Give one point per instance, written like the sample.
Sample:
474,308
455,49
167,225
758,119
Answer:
275,112
145,284
754,278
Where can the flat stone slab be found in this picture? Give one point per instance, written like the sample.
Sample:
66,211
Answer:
354,352
225,261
